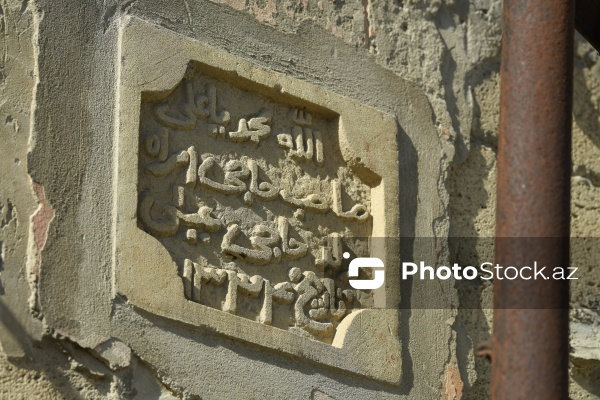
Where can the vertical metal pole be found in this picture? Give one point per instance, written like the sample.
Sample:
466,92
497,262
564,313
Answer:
530,341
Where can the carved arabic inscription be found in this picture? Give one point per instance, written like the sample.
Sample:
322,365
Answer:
254,202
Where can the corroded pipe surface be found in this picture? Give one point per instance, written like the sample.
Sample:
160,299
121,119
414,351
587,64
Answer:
530,341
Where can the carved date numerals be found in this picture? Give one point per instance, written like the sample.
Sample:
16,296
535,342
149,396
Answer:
318,305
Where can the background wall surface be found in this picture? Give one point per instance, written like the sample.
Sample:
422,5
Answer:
432,65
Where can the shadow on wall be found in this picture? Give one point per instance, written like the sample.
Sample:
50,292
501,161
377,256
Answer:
472,200
408,172
13,336
62,369
471,243
42,375
587,376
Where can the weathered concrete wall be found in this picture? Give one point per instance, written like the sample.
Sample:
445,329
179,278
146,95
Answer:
66,329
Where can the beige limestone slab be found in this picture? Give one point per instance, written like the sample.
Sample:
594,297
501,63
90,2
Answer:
155,65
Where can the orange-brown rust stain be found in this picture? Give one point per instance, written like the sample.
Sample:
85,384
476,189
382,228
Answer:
453,384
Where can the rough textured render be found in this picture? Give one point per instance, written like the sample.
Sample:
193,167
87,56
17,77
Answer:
180,181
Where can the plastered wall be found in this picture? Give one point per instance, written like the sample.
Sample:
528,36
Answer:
67,331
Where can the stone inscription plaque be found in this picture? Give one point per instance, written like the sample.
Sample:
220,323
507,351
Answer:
255,204
243,195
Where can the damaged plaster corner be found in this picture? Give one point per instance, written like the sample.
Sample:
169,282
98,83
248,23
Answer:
114,353
585,333
38,234
115,370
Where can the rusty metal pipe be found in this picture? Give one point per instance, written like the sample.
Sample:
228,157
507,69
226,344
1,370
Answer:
530,340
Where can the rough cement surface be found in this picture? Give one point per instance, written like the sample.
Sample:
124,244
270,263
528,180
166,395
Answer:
450,49
17,199
472,193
